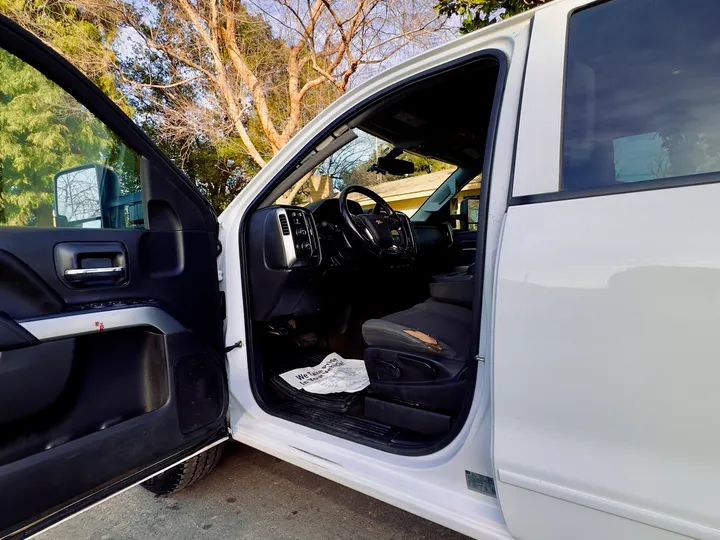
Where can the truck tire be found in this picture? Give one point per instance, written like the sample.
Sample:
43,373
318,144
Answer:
185,474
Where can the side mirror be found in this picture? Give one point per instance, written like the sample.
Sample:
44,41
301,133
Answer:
469,210
396,167
85,197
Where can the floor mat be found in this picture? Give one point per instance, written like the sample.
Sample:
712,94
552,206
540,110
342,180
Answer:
345,423
340,402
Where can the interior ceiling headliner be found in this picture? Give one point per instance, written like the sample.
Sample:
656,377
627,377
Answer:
444,117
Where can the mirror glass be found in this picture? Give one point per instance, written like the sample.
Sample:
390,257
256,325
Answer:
473,210
77,200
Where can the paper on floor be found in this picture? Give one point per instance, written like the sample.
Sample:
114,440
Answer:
333,374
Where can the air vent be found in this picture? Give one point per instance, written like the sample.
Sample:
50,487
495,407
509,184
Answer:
284,224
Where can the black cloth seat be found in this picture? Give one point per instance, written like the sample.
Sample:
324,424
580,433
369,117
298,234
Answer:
448,325
419,356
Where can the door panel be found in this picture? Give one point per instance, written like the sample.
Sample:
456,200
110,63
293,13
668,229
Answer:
111,360
159,265
606,347
605,365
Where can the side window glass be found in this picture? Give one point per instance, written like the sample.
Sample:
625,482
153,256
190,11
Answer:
59,165
642,93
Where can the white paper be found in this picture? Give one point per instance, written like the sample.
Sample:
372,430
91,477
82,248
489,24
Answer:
333,374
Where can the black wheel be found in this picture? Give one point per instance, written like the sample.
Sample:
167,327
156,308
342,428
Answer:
185,474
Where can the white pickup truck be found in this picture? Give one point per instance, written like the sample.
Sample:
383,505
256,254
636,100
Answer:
542,353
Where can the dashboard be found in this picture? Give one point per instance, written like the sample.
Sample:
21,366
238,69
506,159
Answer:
283,251
291,250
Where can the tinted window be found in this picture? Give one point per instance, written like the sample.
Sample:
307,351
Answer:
642,92
59,165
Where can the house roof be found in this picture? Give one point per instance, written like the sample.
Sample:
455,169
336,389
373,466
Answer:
413,187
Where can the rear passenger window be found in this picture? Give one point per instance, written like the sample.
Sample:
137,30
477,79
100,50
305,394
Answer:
642,93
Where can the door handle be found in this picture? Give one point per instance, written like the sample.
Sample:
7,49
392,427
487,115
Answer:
81,265
82,274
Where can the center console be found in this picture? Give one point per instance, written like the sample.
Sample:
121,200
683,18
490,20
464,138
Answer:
455,287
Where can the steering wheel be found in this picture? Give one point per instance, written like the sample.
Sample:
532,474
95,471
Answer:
383,232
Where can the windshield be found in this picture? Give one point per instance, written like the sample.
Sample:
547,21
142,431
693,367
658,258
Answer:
352,165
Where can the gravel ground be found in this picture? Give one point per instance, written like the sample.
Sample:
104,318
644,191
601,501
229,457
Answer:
250,495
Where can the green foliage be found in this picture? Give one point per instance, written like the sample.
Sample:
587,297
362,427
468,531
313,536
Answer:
476,14
42,131
76,34
213,167
219,167
198,122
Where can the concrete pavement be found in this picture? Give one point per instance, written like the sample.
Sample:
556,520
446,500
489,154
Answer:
252,496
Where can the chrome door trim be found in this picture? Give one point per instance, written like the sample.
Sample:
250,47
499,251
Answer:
91,321
89,272
287,239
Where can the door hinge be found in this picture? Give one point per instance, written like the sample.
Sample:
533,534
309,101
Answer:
220,275
236,345
479,358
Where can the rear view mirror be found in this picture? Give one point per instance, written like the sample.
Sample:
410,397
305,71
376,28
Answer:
396,167
84,196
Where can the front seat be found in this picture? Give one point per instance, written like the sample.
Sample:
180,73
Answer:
420,355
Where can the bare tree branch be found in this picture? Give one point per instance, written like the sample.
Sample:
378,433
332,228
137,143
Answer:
159,86
256,70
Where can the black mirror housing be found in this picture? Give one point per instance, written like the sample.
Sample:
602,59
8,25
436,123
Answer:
396,167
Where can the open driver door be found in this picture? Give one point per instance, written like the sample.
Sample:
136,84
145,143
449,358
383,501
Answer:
111,319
